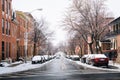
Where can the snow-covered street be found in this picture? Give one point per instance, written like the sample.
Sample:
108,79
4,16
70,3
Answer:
28,66
57,68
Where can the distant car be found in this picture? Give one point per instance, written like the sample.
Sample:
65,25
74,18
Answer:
75,57
37,59
97,60
57,57
68,56
83,58
46,57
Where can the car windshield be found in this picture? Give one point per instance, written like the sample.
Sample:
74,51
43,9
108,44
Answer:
59,40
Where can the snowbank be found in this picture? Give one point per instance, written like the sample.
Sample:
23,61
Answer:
21,67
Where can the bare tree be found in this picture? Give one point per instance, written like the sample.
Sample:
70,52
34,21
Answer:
88,18
81,43
38,35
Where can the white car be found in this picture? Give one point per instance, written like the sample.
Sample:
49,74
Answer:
83,58
37,59
46,57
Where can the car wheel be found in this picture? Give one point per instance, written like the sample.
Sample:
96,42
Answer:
92,63
107,65
33,62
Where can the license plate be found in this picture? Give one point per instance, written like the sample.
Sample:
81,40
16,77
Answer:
102,59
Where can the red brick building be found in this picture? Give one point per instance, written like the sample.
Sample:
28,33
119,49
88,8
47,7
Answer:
25,25
12,28
20,33
7,31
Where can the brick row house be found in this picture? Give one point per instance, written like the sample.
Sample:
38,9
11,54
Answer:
25,24
12,29
7,39
114,38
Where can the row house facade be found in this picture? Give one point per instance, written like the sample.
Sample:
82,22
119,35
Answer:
7,31
12,32
20,33
25,25
114,38
30,24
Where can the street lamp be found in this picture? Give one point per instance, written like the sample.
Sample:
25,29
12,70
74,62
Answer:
35,10
26,36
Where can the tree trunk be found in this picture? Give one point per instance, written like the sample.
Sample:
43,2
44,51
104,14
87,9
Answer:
34,50
96,45
90,46
98,48
81,50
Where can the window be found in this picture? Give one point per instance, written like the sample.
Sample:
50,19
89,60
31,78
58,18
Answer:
7,50
117,26
114,28
3,26
3,50
3,5
8,30
7,27
6,6
9,8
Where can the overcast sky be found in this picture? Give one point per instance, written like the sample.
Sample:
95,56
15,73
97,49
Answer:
53,11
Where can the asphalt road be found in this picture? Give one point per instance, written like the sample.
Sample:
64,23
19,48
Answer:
62,69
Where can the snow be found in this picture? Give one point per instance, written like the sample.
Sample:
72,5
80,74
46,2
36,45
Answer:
20,67
84,56
74,56
100,56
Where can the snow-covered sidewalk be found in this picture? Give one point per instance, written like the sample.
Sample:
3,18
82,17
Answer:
21,67
115,67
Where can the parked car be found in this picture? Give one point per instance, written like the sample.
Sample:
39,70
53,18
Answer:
83,58
75,57
46,57
37,59
97,60
68,56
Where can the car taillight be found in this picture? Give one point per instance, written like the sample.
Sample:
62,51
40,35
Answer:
96,59
106,59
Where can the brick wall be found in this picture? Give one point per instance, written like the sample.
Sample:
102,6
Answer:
118,48
0,30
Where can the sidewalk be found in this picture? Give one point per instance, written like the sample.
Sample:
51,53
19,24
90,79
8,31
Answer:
19,66
5,64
